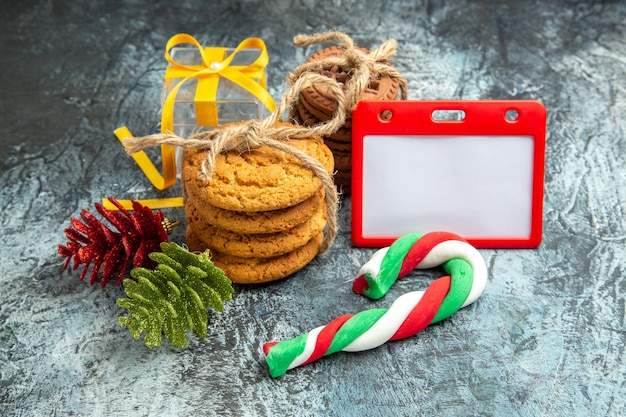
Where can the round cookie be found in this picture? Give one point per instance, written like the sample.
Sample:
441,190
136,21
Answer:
343,161
260,270
338,146
343,181
263,245
322,100
260,180
304,117
257,222
343,177
344,134
322,115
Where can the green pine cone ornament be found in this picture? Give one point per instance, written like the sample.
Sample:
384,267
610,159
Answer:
174,297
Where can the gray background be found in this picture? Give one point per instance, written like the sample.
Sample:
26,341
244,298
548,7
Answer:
547,336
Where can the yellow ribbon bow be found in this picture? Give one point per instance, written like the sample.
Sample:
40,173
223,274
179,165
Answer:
215,64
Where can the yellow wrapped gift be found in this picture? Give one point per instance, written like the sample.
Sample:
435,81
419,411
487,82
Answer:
204,87
208,87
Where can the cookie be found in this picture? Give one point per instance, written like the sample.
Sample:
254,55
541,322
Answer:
304,117
343,161
342,135
260,270
262,179
313,116
262,245
343,181
320,114
322,100
343,177
338,146
257,222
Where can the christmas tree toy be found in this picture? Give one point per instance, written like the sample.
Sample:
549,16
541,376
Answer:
408,315
92,243
174,296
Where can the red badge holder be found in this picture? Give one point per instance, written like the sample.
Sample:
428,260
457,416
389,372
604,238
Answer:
474,168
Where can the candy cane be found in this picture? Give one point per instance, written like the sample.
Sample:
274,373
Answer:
408,315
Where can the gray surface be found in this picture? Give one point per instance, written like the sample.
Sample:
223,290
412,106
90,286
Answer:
546,338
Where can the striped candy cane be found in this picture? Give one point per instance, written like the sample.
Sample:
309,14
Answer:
408,315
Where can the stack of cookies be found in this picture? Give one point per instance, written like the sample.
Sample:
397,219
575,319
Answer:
317,104
262,214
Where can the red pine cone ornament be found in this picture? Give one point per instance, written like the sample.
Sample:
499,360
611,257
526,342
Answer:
90,240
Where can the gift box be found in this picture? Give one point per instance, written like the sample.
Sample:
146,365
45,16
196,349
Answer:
205,87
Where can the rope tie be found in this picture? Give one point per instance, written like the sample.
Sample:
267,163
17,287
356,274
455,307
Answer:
361,67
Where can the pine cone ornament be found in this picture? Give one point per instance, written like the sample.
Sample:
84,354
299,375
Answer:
174,297
91,242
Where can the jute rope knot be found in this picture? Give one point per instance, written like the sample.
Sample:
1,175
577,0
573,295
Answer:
360,66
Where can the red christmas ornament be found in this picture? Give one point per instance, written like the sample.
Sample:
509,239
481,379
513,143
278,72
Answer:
138,233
